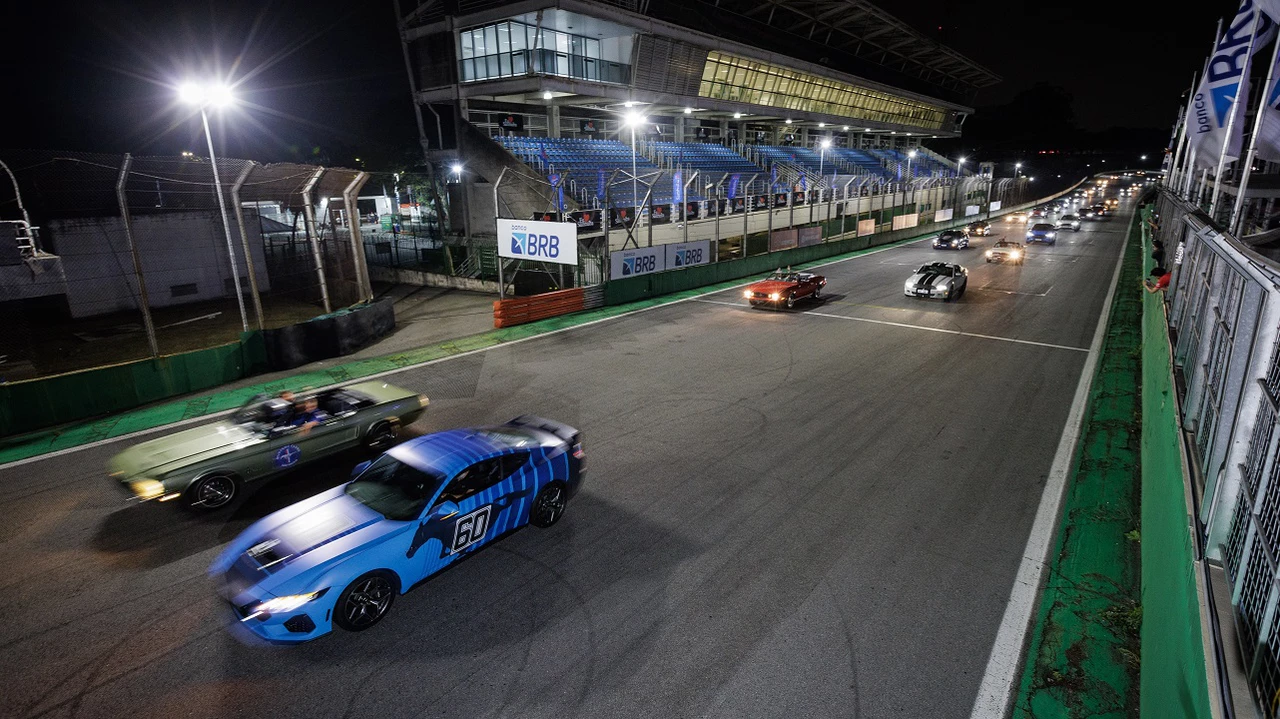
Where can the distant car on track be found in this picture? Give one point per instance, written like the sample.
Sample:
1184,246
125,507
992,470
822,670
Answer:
1068,222
208,465
938,279
785,286
951,240
1086,212
343,556
1039,213
1016,217
1100,210
1042,232
1007,251
981,228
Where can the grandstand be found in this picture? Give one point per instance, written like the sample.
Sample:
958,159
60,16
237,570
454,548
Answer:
584,88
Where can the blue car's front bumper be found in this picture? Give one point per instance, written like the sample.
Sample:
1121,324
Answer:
310,621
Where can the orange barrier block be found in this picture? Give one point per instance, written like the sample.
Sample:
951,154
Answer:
519,310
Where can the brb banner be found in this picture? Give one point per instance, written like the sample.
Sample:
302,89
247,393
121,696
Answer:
688,254
1224,84
943,215
543,241
629,263
994,206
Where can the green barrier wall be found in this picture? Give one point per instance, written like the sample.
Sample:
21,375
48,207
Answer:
38,403
1173,682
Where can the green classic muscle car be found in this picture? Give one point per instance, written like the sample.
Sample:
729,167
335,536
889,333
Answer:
207,466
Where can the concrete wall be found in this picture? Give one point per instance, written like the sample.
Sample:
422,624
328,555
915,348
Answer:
186,248
403,276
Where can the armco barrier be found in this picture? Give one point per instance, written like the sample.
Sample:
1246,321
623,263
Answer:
519,310
39,403
332,335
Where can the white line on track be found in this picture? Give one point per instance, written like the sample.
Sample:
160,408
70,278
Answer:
406,368
915,327
995,694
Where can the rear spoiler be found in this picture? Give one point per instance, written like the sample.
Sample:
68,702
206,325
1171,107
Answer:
559,429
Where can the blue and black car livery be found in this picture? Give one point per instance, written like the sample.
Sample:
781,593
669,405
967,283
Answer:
343,556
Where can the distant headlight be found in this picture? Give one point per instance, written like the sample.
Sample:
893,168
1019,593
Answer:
1052,234
1015,254
423,401
988,253
287,603
146,488
746,293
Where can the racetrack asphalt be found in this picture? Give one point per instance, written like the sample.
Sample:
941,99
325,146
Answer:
815,512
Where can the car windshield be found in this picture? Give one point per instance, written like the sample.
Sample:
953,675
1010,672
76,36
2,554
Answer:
783,277
394,489
952,234
251,411
1069,218
1042,226
1002,243
935,270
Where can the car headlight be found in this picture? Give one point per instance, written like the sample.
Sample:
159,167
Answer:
423,401
1015,254
1052,234
988,253
907,286
773,296
1029,234
147,488
287,603
746,293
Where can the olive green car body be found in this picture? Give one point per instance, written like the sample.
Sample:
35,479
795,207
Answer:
172,466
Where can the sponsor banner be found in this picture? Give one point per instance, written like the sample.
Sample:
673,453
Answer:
797,198
621,216
1268,143
738,204
783,240
902,222
587,220
693,210
544,241
660,214
943,215
970,210
590,127
780,199
760,202
548,216
866,227
511,122
688,254
1179,253
809,236
995,206
630,263
715,207
1223,84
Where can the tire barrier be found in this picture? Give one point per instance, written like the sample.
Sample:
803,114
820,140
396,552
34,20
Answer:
332,335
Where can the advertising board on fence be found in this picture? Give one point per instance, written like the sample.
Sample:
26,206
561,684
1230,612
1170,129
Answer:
943,215
901,222
970,210
782,240
810,236
543,241
995,205
629,263
866,227
688,254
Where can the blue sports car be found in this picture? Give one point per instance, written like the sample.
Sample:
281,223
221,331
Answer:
1042,232
343,556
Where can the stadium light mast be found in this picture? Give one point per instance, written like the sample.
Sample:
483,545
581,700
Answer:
216,96
822,156
910,156
633,119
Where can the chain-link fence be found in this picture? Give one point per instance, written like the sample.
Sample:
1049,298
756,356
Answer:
119,258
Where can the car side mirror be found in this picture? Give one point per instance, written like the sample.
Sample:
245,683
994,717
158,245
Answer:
444,510
360,468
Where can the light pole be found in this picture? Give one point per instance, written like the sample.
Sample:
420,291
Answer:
822,156
217,96
955,201
910,156
633,119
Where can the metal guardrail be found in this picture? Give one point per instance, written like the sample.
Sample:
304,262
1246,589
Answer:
1224,315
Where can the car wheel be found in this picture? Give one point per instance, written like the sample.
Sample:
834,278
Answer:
549,505
791,301
212,491
380,437
365,601
988,260
817,293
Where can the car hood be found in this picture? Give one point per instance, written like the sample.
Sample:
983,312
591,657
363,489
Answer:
1004,250
380,391
922,280
768,286
322,530
172,451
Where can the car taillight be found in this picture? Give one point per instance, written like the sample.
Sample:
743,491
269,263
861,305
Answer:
577,452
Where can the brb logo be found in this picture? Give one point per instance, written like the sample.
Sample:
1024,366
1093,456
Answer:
688,257
534,245
639,265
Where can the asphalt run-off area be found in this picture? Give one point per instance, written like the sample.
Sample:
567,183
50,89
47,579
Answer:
817,512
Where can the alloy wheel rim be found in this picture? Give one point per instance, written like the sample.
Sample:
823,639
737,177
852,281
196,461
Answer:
216,491
552,505
368,602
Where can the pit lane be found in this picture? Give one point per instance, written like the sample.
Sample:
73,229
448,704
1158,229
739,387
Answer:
785,514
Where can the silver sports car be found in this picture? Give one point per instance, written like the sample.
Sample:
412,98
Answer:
938,279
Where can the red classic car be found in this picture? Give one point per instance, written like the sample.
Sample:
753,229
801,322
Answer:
785,286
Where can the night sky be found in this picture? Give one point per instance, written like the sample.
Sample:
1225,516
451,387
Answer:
325,81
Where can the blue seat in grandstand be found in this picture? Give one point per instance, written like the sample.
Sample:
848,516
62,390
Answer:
581,161
713,161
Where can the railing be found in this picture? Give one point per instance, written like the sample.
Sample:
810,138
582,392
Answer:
517,63
1224,315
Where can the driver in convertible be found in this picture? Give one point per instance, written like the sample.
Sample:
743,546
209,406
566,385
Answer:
307,414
